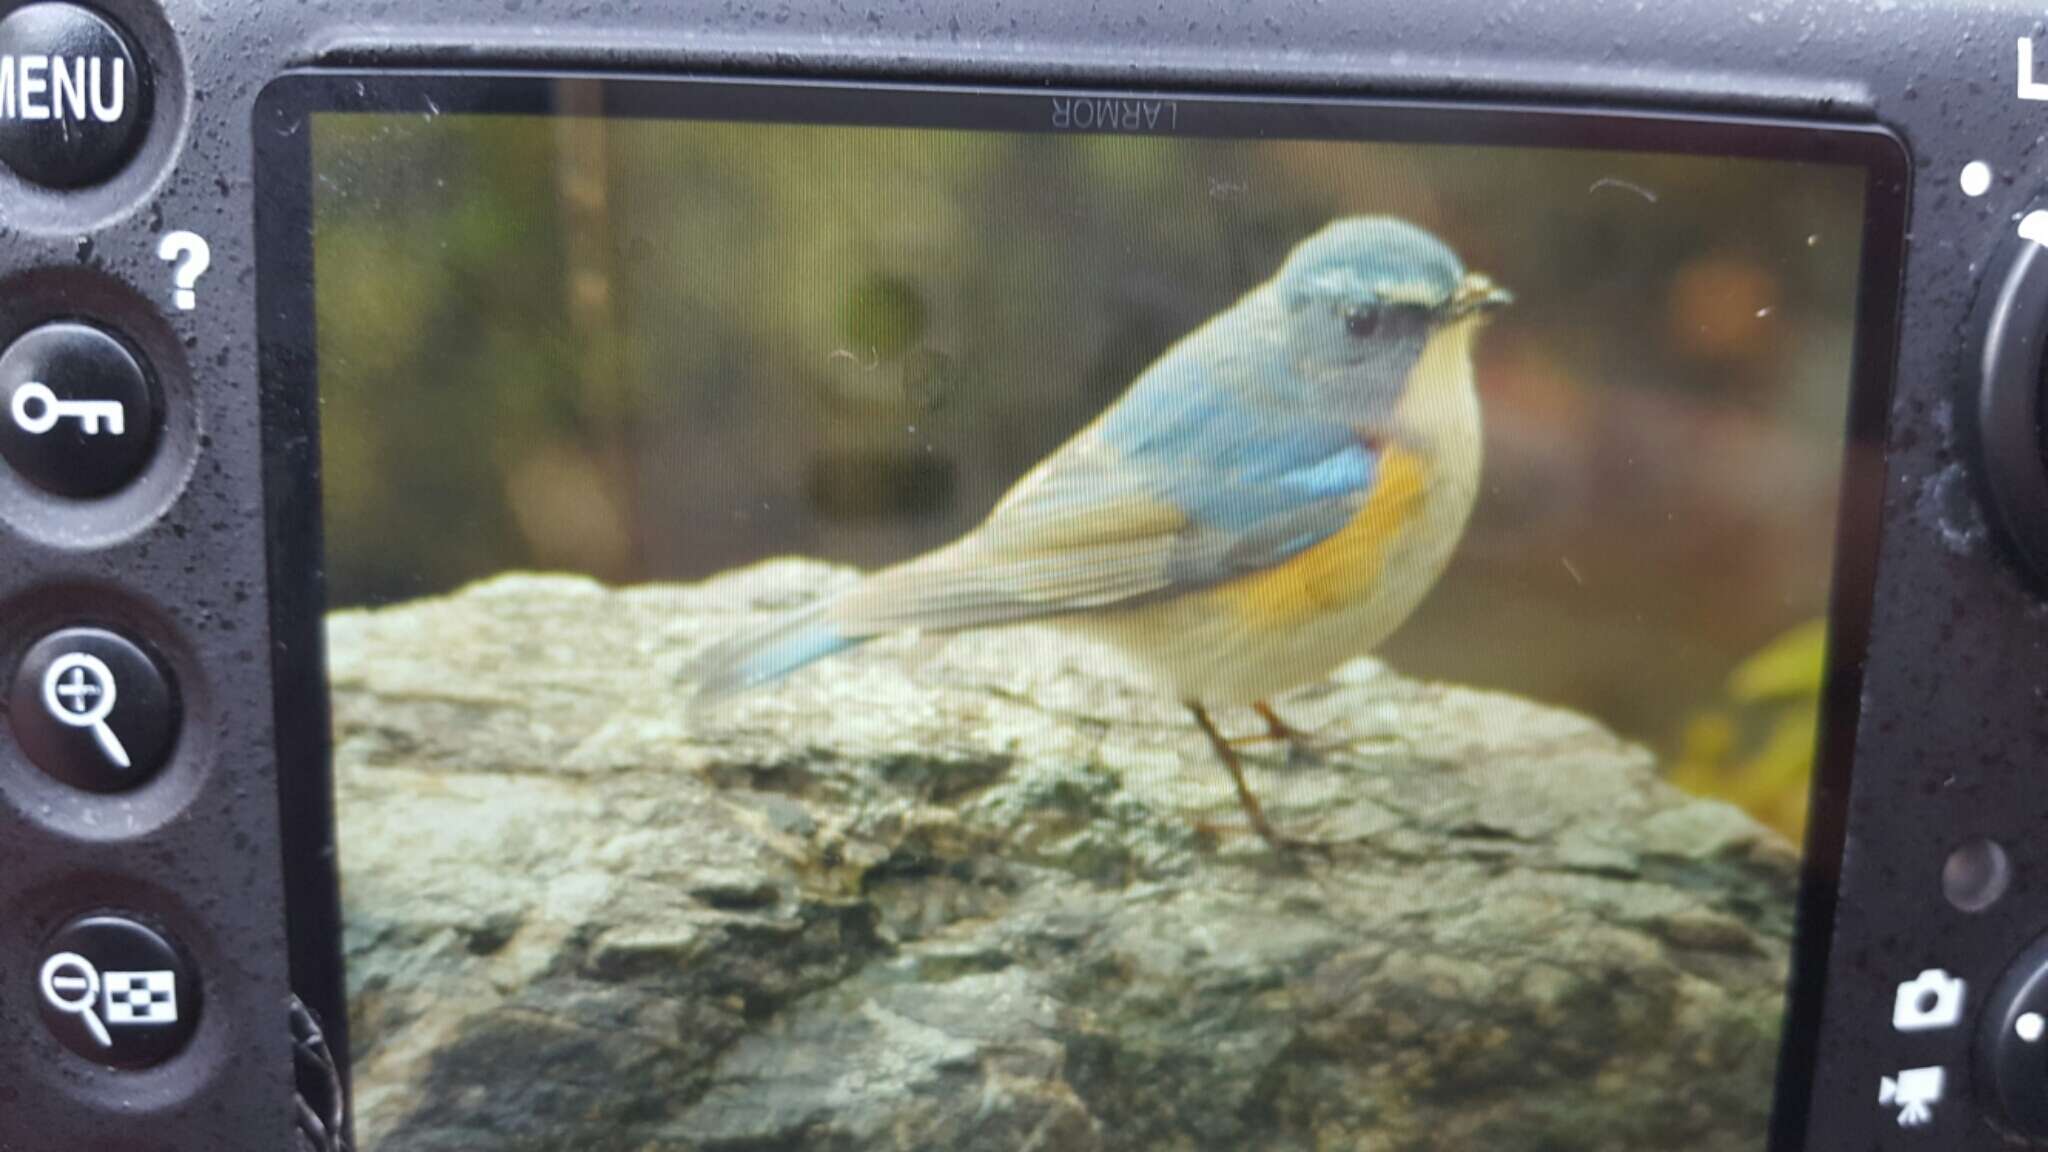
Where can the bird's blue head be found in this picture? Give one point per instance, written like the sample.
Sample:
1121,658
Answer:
1364,295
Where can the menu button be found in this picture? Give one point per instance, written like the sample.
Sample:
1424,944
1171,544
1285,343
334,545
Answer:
72,98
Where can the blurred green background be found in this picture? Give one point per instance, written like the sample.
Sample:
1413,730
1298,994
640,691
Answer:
653,350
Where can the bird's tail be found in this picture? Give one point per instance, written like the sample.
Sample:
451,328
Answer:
953,589
765,656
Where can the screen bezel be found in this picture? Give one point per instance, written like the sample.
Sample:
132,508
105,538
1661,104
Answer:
288,371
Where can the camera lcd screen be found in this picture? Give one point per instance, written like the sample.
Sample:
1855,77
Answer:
877,618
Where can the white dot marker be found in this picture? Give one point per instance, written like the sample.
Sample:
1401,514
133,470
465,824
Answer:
1976,178
2030,1027
2034,226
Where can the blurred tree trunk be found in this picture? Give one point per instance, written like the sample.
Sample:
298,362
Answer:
603,538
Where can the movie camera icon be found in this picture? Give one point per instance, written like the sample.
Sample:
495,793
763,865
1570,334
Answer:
1914,1092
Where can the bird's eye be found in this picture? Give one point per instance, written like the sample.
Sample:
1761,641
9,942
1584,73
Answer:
1362,323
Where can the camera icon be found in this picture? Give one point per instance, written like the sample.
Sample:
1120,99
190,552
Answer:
1931,1000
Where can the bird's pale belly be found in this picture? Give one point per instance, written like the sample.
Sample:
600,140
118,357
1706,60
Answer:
1257,637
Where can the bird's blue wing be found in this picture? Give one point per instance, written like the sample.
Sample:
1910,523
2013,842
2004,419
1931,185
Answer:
1180,487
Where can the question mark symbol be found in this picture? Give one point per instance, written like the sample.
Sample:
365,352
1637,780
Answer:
191,255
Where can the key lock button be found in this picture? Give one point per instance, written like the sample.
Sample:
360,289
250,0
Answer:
79,415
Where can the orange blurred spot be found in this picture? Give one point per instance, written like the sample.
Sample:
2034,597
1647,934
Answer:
1721,308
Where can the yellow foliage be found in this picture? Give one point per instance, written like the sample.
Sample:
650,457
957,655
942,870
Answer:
1789,667
1754,748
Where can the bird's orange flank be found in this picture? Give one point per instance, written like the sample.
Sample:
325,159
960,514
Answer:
1343,567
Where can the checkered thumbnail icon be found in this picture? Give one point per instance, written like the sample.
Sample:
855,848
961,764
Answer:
142,998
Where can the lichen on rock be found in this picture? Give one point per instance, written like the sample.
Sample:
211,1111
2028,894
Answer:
992,892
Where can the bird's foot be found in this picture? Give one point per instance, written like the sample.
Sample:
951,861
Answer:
1303,746
1295,848
1290,849
1313,747
1248,802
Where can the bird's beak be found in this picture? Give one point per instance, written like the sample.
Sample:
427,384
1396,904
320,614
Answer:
1477,294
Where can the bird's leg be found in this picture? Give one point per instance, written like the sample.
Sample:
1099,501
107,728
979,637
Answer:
1301,746
1228,755
1278,729
1308,747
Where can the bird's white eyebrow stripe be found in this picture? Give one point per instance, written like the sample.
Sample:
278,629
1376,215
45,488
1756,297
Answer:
1343,281
1412,292
1335,281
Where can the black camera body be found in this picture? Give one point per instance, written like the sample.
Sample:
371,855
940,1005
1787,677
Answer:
169,861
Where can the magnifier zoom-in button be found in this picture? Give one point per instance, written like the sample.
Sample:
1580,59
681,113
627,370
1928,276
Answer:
93,709
80,691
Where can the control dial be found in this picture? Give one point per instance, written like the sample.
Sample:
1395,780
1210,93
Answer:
2002,407
2012,1047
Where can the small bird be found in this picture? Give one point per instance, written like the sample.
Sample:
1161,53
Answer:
1271,498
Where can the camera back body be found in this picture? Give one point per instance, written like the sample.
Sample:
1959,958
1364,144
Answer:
196,473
